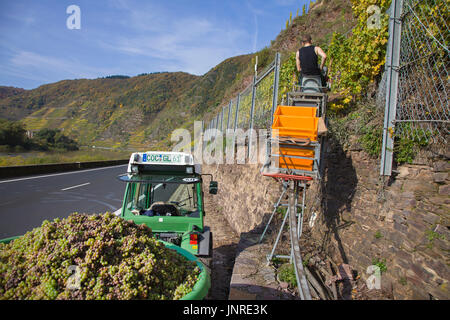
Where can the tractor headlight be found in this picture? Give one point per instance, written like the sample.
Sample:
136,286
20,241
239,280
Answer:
134,169
189,170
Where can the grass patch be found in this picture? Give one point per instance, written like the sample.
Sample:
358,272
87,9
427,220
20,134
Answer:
431,236
380,264
286,273
402,281
372,140
34,158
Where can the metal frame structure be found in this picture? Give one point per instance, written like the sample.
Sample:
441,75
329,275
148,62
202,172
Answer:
392,68
295,183
415,84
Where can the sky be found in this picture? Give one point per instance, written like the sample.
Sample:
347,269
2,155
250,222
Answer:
42,42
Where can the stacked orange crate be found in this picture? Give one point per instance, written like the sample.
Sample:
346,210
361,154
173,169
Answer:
297,123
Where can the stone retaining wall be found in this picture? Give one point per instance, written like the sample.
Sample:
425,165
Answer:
404,224
245,197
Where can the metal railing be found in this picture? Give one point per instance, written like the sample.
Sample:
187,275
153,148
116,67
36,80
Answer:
416,80
252,108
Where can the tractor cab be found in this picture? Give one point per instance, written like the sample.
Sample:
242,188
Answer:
164,192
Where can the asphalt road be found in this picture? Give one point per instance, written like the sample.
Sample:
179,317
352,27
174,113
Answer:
26,202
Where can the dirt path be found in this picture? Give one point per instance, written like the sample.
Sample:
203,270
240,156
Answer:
225,242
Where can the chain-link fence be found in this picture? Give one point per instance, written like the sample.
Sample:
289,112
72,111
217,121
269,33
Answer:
417,78
264,93
250,109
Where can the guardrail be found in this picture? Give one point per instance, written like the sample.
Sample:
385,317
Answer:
20,171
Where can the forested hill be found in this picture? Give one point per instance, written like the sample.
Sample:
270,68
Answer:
121,110
9,91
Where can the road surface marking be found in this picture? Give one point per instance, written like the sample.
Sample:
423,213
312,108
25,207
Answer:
80,185
64,173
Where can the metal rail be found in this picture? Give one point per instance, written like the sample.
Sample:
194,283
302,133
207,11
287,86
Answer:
303,288
293,187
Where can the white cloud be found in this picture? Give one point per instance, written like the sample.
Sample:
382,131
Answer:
186,43
30,63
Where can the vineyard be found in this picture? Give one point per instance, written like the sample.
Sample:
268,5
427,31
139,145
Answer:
357,74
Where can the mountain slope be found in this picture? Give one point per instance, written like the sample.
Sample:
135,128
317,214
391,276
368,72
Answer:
9,91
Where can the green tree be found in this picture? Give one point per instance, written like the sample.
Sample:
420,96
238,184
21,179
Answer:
12,133
54,139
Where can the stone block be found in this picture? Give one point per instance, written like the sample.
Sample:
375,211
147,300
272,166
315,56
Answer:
444,190
419,186
398,218
439,200
418,227
407,195
441,166
418,293
424,275
413,278
442,231
400,227
441,269
403,172
395,237
403,263
442,244
440,177
430,218
403,255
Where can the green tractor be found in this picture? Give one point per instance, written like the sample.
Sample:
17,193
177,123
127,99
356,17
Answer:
164,191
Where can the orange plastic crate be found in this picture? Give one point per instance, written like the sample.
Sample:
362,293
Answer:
294,163
296,111
296,127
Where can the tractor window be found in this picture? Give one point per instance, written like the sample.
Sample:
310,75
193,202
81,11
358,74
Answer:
183,197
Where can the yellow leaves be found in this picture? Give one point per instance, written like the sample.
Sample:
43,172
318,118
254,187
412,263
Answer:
358,59
336,107
347,100
391,132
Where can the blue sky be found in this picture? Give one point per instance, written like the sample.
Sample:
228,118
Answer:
130,36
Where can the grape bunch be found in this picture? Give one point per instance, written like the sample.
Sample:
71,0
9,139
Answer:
84,257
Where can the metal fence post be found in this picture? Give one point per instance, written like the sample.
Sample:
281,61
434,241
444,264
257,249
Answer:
217,126
236,116
276,82
221,119
252,112
392,71
230,106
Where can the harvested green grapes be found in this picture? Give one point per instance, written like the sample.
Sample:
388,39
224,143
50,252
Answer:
93,257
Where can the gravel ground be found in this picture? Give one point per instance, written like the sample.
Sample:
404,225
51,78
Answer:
225,242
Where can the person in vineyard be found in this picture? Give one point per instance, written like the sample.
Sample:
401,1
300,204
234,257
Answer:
307,60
